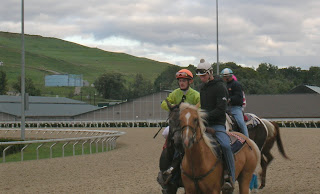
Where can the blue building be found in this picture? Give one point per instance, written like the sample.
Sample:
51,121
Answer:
64,80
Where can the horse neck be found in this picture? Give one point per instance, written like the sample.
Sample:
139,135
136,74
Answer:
199,156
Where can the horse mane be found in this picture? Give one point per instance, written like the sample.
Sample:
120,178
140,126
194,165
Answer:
201,117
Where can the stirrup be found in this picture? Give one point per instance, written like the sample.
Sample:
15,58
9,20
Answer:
228,186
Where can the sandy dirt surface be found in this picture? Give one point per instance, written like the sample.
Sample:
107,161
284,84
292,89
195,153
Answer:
133,166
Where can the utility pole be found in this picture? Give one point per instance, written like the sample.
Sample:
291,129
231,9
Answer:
217,38
22,74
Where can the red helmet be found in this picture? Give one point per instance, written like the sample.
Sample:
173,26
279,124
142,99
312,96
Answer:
184,73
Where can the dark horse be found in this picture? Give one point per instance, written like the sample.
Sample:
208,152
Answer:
266,156
264,133
170,182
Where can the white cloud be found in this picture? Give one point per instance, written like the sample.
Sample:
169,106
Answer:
283,33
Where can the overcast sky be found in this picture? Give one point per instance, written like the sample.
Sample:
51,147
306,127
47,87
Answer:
281,32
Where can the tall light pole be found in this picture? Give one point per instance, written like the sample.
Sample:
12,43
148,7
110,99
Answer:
22,74
217,38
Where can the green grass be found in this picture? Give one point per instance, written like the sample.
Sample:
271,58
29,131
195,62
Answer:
44,151
44,55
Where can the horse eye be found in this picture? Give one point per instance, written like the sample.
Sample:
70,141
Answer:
195,120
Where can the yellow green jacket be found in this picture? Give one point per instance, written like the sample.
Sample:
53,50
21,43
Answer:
175,97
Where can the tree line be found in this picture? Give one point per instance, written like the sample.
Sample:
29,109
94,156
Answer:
266,79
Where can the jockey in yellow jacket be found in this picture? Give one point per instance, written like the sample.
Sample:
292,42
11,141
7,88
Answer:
169,175
191,96
184,93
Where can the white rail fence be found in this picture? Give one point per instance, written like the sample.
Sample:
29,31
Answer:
103,139
84,124
290,123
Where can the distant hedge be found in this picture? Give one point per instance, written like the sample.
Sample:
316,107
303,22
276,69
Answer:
12,150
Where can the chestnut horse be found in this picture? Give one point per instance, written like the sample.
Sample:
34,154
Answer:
201,169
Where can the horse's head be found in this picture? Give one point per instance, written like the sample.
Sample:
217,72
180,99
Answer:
174,125
191,123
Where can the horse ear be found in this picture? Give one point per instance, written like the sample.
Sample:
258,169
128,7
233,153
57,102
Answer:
198,105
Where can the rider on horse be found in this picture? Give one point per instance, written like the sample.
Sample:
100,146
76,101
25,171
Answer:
182,94
235,100
213,95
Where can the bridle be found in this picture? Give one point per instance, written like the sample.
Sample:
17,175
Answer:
192,177
193,138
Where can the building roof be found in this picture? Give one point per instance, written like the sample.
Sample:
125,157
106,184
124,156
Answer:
44,106
284,106
304,89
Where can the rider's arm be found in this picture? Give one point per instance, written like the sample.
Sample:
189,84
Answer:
171,100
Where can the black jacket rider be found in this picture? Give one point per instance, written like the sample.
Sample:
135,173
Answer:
235,93
213,100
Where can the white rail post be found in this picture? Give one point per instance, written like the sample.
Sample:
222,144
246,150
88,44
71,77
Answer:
38,151
4,153
73,147
83,147
51,149
63,148
22,151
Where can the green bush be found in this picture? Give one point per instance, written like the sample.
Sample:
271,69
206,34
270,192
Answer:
13,149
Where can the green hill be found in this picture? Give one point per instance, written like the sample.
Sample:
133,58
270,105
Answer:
46,56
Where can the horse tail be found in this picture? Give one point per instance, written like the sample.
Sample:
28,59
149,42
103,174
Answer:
279,141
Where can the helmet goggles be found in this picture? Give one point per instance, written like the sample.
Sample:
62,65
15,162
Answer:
201,71
182,75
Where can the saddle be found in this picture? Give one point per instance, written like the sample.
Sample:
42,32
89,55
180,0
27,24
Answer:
250,120
236,141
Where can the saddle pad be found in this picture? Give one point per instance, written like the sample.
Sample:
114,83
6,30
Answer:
236,142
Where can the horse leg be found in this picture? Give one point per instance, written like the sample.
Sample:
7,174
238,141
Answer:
267,161
263,173
244,183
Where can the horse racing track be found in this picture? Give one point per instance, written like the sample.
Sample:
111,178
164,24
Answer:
133,166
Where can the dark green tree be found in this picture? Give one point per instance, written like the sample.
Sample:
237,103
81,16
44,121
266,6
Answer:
165,79
140,87
293,74
111,86
267,70
3,82
29,87
314,76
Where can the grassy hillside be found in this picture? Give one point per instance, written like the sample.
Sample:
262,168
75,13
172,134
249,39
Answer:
46,56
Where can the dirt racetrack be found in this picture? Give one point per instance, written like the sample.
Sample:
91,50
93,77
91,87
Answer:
133,166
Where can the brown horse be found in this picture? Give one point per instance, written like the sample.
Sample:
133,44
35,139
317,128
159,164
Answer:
201,169
266,156
264,133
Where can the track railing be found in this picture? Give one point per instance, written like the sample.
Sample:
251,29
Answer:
102,139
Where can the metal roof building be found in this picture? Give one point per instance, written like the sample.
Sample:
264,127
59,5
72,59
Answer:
302,107
288,107
42,108
305,89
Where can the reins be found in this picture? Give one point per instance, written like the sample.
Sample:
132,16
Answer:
196,179
159,129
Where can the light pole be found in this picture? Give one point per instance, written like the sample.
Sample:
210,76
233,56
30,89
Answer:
22,74
217,38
